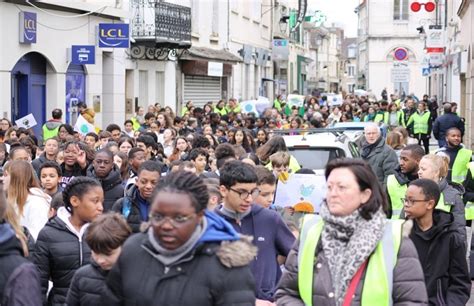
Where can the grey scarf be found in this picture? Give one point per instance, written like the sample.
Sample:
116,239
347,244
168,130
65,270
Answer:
347,242
170,257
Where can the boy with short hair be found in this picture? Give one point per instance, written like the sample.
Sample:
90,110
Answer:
105,236
266,183
280,162
50,175
238,187
104,138
136,157
199,158
135,205
441,248
91,140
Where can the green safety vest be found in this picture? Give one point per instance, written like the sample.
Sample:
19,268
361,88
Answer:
47,133
461,165
470,205
420,125
442,205
234,110
378,283
221,112
396,192
400,118
135,124
277,105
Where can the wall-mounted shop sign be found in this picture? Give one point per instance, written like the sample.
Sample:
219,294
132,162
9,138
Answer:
83,55
114,35
28,29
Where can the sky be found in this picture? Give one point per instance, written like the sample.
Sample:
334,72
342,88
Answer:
338,11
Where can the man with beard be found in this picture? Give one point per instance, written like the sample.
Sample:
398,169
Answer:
381,158
397,183
459,156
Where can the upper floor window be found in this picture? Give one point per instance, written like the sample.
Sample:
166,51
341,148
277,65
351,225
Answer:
400,10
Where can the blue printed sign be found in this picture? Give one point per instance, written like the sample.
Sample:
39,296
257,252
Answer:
83,55
114,35
28,28
425,71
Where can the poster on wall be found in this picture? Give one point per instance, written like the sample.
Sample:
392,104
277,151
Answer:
75,93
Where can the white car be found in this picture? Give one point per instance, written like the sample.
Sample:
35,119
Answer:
315,148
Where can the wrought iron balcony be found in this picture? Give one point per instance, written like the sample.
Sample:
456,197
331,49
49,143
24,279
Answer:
161,24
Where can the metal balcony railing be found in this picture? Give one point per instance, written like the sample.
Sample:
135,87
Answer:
160,23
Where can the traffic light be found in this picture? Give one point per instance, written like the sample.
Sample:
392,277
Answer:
429,6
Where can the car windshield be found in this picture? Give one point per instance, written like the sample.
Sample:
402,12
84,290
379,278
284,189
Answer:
315,158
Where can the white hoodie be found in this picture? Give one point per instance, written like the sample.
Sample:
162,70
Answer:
35,211
64,215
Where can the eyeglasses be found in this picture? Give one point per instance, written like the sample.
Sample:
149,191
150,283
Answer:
159,219
411,202
244,194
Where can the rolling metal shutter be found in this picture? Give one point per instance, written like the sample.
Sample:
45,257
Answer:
202,89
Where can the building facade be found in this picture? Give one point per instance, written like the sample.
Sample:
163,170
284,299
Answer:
37,70
391,53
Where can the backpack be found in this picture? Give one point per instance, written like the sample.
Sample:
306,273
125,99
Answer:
126,207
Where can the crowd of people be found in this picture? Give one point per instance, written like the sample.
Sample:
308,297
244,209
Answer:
179,210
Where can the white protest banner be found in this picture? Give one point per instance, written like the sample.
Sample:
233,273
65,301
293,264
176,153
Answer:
26,122
249,107
299,188
83,126
295,100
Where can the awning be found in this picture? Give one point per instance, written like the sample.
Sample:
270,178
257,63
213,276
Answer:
203,53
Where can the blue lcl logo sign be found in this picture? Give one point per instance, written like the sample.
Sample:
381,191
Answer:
113,35
27,28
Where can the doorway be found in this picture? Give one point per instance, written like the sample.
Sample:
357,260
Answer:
28,79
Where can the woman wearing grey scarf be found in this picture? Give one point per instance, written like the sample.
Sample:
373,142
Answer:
352,226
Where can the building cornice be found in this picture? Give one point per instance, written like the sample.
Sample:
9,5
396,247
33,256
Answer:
463,7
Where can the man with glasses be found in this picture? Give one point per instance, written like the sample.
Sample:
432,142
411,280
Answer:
441,248
238,187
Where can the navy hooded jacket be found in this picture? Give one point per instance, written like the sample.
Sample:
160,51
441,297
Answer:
272,237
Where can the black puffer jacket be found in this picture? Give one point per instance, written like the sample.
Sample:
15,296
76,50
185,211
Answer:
442,252
131,200
112,186
58,254
200,278
87,286
38,162
19,278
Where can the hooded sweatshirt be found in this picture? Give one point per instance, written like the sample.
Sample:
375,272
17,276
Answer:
272,237
35,211
442,254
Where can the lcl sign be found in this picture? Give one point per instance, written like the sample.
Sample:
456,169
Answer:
416,6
